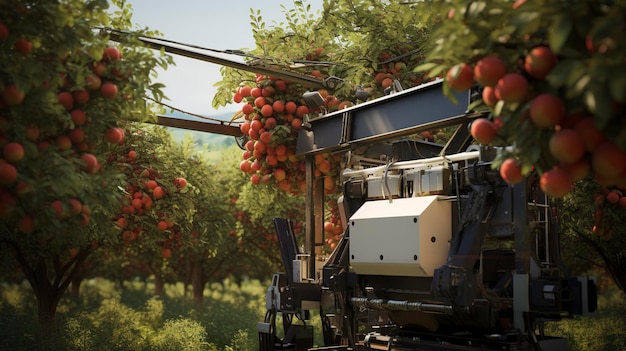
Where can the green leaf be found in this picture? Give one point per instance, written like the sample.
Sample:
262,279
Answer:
526,20
497,110
559,31
563,72
617,85
425,67
476,8
598,102
605,26
435,71
477,105
580,86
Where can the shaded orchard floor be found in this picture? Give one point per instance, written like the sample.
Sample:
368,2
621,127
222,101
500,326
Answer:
106,317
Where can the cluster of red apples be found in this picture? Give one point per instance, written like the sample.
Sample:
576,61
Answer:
70,135
576,146
273,113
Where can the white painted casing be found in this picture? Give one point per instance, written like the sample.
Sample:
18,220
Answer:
403,237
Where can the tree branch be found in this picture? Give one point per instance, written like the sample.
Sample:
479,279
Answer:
21,259
220,262
611,267
78,259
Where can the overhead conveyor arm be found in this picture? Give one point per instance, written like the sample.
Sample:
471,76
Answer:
265,69
222,128
296,77
407,112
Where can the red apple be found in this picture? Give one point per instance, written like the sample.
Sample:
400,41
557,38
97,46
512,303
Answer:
180,182
108,90
592,137
608,160
613,197
81,96
489,70
93,82
99,68
23,46
78,117
547,110
567,146
166,253
26,224
556,182
111,54
12,95
63,142
539,62
76,135
13,152
66,99
489,96
4,32
511,171
512,88
90,163
483,130
32,132
8,173
460,77
115,135
58,208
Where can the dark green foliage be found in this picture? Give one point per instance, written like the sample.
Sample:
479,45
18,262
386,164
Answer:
105,319
603,331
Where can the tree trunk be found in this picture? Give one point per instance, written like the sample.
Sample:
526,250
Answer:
47,302
197,283
49,290
75,288
120,283
187,280
617,269
159,285
77,281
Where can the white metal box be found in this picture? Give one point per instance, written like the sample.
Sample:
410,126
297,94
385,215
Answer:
383,186
402,237
301,268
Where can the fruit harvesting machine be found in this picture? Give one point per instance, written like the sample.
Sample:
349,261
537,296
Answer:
437,251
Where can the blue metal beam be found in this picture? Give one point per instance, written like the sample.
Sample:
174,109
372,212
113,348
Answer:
406,112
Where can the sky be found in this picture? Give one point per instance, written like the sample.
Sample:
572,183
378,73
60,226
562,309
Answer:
219,25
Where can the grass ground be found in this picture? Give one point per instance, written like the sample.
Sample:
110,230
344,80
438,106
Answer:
109,318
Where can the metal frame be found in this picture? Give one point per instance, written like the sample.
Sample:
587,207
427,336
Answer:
410,111
407,112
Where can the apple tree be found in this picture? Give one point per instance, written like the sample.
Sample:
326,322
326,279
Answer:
367,60
551,77
63,86
205,246
154,217
368,48
596,235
